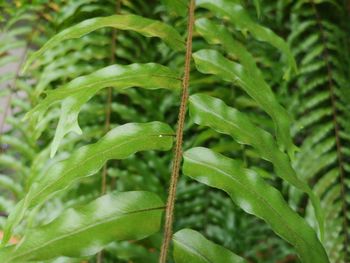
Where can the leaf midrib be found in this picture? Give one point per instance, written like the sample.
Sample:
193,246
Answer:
90,158
96,223
191,248
114,78
199,105
261,198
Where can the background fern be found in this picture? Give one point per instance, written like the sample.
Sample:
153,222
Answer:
320,108
318,36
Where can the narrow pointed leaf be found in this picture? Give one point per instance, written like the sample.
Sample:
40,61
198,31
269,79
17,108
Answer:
237,15
77,92
212,62
258,7
249,191
191,246
144,26
177,7
219,34
86,230
119,143
208,111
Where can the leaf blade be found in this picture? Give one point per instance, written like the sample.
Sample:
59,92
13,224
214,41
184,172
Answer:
86,230
126,140
144,26
86,161
209,111
239,17
80,90
212,62
255,196
191,246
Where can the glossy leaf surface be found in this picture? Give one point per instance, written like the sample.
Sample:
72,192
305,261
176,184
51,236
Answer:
212,62
209,111
77,92
249,191
237,15
119,143
86,230
144,26
218,34
191,246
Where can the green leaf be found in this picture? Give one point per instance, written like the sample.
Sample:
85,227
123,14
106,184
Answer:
119,143
235,13
7,183
219,34
191,246
249,191
212,62
86,230
77,92
208,111
178,7
144,26
258,7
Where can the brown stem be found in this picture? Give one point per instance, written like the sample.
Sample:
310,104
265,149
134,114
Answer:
13,88
336,127
169,212
2,124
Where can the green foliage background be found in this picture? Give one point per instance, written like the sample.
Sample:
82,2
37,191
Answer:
316,99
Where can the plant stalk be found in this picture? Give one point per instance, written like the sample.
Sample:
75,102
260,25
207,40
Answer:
169,212
336,129
7,107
